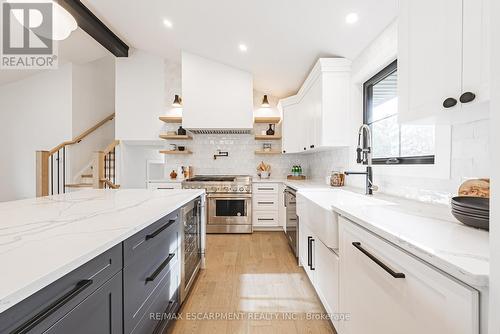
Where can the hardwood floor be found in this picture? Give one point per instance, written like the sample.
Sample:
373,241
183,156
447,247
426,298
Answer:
255,279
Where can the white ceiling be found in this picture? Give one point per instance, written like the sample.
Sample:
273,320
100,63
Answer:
284,37
78,48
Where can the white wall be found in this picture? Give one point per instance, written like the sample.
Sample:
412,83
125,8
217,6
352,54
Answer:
35,114
495,198
140,96
463,148
93,100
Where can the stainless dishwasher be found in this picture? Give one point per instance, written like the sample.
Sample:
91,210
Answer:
191,251
292,226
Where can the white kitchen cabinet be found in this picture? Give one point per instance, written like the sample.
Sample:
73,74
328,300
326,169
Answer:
266,206
443,52
315,117
321,265
380,299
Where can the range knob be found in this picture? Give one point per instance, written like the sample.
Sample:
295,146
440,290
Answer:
226,189
242,189
234,189
213,189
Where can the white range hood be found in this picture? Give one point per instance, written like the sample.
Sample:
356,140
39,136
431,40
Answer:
216,98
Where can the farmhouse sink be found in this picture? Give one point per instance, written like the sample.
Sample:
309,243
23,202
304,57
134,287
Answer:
314,208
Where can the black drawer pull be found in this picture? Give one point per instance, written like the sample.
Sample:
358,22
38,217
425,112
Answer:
449,102
265,202
312,253
311,146
158,231
467,97
265,188
52,308
309,255
377,261
305,148
160,268
265,219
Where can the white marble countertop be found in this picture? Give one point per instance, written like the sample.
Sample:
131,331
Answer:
428,231
43,239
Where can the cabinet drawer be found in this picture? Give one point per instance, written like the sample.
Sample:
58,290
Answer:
165,301
265,203
139,243
45,307
380,281
143,276
265,188
101,312
262,218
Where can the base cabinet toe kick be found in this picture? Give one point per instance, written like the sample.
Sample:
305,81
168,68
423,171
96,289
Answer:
134,287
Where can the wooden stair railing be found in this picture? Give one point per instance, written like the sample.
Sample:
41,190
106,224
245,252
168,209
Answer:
105,167
51,165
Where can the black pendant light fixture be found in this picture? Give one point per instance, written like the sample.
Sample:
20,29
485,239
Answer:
265,102
177,102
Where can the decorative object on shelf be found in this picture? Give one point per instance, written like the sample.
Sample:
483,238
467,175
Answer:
297,170
475,188
265,102
173,174
267,147
270,131
181,148
181,131
264,170
472,211
173,147
177,101
337,179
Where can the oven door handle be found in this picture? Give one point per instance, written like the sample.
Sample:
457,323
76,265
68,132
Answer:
229,196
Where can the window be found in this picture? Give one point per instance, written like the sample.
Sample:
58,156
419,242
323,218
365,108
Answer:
393,143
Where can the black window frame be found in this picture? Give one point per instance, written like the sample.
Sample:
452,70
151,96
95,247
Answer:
367,100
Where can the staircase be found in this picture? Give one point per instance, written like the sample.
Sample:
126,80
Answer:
51,167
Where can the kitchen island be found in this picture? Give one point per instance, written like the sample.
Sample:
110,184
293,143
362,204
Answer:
46,239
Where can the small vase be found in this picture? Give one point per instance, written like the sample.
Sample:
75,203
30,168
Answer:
181,131
270,131
173,174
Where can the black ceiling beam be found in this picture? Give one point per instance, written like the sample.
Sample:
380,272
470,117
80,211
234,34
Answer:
95,28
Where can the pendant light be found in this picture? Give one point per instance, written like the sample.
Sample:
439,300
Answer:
177,102
265,102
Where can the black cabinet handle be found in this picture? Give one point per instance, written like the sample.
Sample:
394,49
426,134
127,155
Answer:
450,102
377,261
160,268
467,97
309,255
158,231
305,148
261,202
311,146
52,308
312,252
284,151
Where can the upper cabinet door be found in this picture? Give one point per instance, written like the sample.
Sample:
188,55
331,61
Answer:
291,128
476,50
429,57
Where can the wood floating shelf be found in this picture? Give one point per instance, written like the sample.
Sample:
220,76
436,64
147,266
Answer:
267,152
267,120
176,137
175,152
267,137
171,119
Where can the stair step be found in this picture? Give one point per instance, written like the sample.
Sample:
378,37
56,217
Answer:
80,185
87,175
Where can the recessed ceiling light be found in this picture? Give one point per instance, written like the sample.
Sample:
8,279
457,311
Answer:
243,48
351,18
167,23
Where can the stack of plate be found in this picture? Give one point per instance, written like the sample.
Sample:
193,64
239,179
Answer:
472,211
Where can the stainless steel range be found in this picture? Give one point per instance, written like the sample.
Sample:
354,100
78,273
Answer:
229,201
